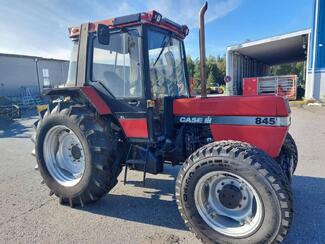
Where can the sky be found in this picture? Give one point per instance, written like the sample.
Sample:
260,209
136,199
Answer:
39,27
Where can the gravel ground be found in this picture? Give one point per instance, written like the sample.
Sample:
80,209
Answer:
135,214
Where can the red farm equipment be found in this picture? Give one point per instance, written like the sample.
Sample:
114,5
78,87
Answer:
285,85
127,104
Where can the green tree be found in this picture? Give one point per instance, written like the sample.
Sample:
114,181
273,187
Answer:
216,69
221,63
289,69
190,66
212,70
196,75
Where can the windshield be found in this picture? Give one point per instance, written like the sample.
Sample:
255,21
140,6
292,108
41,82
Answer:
166,63
118,65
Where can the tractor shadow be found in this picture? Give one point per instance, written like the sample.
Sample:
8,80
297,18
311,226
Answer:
309,211
14,129
153,204
17,128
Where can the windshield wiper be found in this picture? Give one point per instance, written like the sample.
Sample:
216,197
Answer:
165,42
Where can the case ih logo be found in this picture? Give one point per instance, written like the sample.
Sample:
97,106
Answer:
235,120
196,120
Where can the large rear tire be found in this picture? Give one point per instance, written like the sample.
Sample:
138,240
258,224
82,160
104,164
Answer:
77,154
231,192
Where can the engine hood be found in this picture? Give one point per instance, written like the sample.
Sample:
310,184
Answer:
232,106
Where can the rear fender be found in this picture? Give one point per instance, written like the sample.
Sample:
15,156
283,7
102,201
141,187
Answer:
82,95
87,93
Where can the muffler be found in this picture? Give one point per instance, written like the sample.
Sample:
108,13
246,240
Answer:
203,73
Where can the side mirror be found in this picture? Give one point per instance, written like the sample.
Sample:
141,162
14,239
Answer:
103,34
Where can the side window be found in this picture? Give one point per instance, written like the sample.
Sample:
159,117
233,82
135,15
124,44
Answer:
117,65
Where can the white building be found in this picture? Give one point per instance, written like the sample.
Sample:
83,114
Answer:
254,59
35,73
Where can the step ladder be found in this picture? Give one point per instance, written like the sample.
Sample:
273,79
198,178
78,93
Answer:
27,98
133,162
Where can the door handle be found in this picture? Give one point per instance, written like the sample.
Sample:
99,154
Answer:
134,103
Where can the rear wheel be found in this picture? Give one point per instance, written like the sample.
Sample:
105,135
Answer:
64,155
77,154
231,192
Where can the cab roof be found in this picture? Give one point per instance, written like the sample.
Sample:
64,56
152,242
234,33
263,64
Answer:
152,17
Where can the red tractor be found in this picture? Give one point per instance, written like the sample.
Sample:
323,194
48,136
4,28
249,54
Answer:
127,103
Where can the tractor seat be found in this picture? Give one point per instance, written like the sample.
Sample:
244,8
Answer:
114,83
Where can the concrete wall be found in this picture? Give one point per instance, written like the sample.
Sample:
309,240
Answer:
18,71
315,86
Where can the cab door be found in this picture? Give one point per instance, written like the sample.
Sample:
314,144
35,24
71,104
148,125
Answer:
167,75
117,72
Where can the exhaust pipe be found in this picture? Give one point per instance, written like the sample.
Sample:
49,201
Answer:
202,51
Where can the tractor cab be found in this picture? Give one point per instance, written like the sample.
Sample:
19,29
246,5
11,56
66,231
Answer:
136,63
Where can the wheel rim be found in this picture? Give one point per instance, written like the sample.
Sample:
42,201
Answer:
228,204
64,155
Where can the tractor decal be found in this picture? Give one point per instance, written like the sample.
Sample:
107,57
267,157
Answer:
235,120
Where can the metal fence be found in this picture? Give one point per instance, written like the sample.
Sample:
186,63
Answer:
285,85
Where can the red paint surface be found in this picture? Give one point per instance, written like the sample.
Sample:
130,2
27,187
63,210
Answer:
135,128
146,18
96,100
232,106
250,87
269,139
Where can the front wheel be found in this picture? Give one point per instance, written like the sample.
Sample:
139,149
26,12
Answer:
231,192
